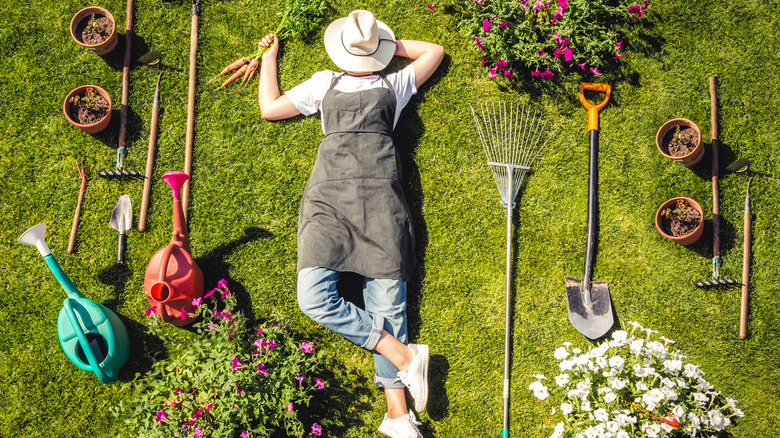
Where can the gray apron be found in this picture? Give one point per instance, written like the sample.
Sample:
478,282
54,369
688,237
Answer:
354,216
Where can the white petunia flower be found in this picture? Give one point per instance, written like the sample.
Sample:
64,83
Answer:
567,408
622,434
616,362
562,379
620,336
561,353
691,371
636,346
601,415
673,366
652,398
585,406
610,397
566,365
701,398
558,432
617,383
717,420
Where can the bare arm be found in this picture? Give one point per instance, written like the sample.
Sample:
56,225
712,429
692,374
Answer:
427,57
273,104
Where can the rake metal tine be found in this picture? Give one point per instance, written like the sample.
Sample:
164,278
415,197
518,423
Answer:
717,282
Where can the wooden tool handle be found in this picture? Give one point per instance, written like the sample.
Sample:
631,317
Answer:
72,241
149,168
190,109
126,76
715,201
743,308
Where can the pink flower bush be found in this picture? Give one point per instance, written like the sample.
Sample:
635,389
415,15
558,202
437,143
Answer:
161,416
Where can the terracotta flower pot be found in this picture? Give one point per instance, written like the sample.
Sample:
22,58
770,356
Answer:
91,128
688,238
666,133
109,42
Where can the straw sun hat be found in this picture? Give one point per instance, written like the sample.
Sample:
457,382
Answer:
359,42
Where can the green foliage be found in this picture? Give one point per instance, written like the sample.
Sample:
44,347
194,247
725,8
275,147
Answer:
548,37
300,18
678,213
87,100
230,379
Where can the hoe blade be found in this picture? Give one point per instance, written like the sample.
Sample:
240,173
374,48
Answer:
589,311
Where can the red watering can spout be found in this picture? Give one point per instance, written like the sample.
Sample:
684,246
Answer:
173,279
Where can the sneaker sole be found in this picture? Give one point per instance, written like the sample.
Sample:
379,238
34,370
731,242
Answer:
424,351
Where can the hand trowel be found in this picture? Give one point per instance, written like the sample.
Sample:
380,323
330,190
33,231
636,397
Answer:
121,220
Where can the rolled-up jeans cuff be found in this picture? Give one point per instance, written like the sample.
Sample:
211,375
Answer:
377,326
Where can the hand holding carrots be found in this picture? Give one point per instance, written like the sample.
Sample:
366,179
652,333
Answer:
269,43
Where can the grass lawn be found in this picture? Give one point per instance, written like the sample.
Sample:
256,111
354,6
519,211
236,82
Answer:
249,174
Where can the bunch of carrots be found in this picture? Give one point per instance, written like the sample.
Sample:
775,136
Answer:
297,19
244,67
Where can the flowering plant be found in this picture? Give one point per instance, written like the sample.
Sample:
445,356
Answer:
545,38
633,384
231,380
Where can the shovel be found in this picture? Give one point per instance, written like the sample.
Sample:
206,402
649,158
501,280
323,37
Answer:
121,219
590,306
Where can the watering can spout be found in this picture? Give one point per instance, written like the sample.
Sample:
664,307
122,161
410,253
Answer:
35,236
175,179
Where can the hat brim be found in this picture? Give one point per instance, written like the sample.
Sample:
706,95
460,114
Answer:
349,62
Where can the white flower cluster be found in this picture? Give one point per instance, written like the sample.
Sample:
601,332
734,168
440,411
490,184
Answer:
633,383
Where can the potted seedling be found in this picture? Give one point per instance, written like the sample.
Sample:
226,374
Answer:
680,140
680,220
94,28
89,108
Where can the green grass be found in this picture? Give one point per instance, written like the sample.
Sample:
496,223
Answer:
248,176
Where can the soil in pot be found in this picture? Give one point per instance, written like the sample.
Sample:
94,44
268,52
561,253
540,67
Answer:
680,219
681,140
89,107
94,29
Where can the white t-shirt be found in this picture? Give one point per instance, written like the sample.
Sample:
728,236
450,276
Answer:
307,96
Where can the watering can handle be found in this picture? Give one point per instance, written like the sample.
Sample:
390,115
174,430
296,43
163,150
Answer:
593,110
83,341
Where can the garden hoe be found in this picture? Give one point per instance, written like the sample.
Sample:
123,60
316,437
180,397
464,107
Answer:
511,136
742,165
120,171
589,302
716,280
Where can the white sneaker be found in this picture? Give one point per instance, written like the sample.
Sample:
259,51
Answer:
404,426
416,376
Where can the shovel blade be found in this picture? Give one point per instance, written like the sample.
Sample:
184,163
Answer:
592,317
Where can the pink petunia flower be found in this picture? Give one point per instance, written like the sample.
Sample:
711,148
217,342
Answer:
501,24
482,63
225,294
209,293
478,41
290,407
209,406
547,74
299,378
244,434
479,2
236,364
178,391
316,429
319,384
509,74
617,50
150,310
197,302
430,6
211,327
562,3
261,368
582,66
238,390
567,54
637,10
595,71
558,15
492,73
260,331
307,347
501,64
198,433
486,25
222,284
183,313
161,416
558,52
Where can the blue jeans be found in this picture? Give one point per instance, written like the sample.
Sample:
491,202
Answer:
385,309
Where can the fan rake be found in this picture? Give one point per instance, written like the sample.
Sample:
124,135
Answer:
512,136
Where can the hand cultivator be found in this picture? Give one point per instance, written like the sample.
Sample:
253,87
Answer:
511,137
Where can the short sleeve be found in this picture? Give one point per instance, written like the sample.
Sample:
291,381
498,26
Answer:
403,82
307,96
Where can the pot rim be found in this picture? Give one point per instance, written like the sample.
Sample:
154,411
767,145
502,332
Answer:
78,16
666,127
669,202
66,104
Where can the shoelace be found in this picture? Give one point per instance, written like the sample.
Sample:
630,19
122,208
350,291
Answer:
403,377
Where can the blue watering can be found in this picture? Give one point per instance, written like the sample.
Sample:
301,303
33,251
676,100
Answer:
91,335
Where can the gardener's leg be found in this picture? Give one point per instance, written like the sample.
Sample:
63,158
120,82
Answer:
319,299
387,299
397,365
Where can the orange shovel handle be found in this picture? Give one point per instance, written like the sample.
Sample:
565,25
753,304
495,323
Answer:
593,110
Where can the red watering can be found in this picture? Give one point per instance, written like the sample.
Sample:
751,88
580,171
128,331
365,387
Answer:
172,279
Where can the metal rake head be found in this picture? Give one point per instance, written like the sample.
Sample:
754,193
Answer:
717,282
512,136
120,173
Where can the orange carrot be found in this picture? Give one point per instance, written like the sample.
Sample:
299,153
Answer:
236,64
235,76
250,71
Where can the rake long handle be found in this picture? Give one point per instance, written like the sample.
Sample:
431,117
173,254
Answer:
508,302
125,84
185,197
149,167
713,82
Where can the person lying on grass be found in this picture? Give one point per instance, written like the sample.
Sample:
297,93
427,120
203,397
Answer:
354,216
